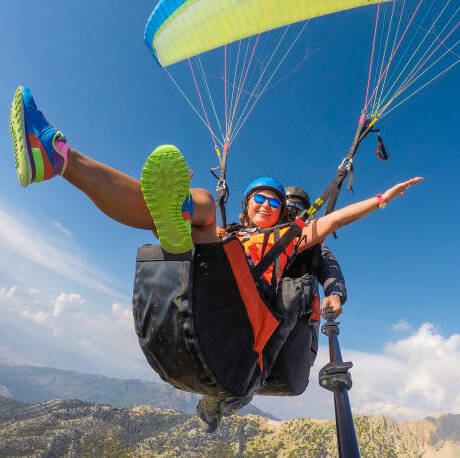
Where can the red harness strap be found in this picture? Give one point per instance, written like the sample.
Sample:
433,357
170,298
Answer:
316,315
262,321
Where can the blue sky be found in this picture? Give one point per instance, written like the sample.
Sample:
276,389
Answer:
66,270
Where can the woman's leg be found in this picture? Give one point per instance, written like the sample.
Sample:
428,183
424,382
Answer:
116,194
41,153
120,197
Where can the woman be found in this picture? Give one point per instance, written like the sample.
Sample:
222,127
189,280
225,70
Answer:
183,219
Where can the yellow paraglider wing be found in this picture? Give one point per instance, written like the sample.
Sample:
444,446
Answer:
178,29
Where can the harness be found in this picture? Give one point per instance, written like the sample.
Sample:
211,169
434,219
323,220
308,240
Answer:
206,325
279,248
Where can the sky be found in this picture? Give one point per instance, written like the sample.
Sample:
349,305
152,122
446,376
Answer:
66,270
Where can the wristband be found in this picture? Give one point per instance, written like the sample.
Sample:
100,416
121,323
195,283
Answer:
382,203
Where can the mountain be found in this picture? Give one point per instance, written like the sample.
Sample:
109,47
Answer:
75,428
36,384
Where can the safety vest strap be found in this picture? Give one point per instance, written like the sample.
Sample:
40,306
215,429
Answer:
276,264
295,230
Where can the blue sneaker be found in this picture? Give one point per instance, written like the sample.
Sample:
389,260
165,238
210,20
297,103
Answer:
40,150
165,184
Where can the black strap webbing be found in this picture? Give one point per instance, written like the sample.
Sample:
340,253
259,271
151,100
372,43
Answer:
381,151
265,243
276,250
222,188
333,190
221,202
330,194
276,264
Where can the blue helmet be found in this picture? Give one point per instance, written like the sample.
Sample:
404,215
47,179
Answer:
266,183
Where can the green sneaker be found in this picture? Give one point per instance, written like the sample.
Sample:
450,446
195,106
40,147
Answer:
165,184
40,151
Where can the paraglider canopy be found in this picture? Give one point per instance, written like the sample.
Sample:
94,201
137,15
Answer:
178,29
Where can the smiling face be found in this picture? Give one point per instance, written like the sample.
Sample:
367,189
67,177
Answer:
263,215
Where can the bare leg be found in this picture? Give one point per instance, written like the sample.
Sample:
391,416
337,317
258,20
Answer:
119,196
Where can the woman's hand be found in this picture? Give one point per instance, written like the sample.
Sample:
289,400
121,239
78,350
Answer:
320,228
398,190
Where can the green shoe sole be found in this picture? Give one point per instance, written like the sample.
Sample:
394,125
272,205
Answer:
18,134
165,183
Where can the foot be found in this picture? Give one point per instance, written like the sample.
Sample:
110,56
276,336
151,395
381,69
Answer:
208,413
233,404
165,184
40,151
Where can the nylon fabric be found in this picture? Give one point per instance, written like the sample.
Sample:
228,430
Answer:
39,166
199,329
315,305
222,328
177,29
43,166
262,321
290,373
288,366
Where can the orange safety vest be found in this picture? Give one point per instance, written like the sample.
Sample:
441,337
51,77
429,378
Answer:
254,245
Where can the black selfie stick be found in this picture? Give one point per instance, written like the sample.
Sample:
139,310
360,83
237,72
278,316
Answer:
336,378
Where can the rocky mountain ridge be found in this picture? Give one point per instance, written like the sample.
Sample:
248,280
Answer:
70,428
35,384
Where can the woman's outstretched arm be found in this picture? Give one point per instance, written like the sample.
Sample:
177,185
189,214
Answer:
319,229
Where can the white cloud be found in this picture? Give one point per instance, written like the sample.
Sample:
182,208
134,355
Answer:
123,317
37,246
401,325
7,294
12,357
57,331
86,344
414,377
16,298
104,337
60,227
121,312
39,316
63,300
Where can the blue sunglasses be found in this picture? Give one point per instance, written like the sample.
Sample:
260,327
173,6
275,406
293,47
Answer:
272,201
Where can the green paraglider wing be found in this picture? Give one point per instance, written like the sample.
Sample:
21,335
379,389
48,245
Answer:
179,29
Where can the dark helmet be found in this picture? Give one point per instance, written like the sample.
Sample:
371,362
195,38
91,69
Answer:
266,183
299,193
